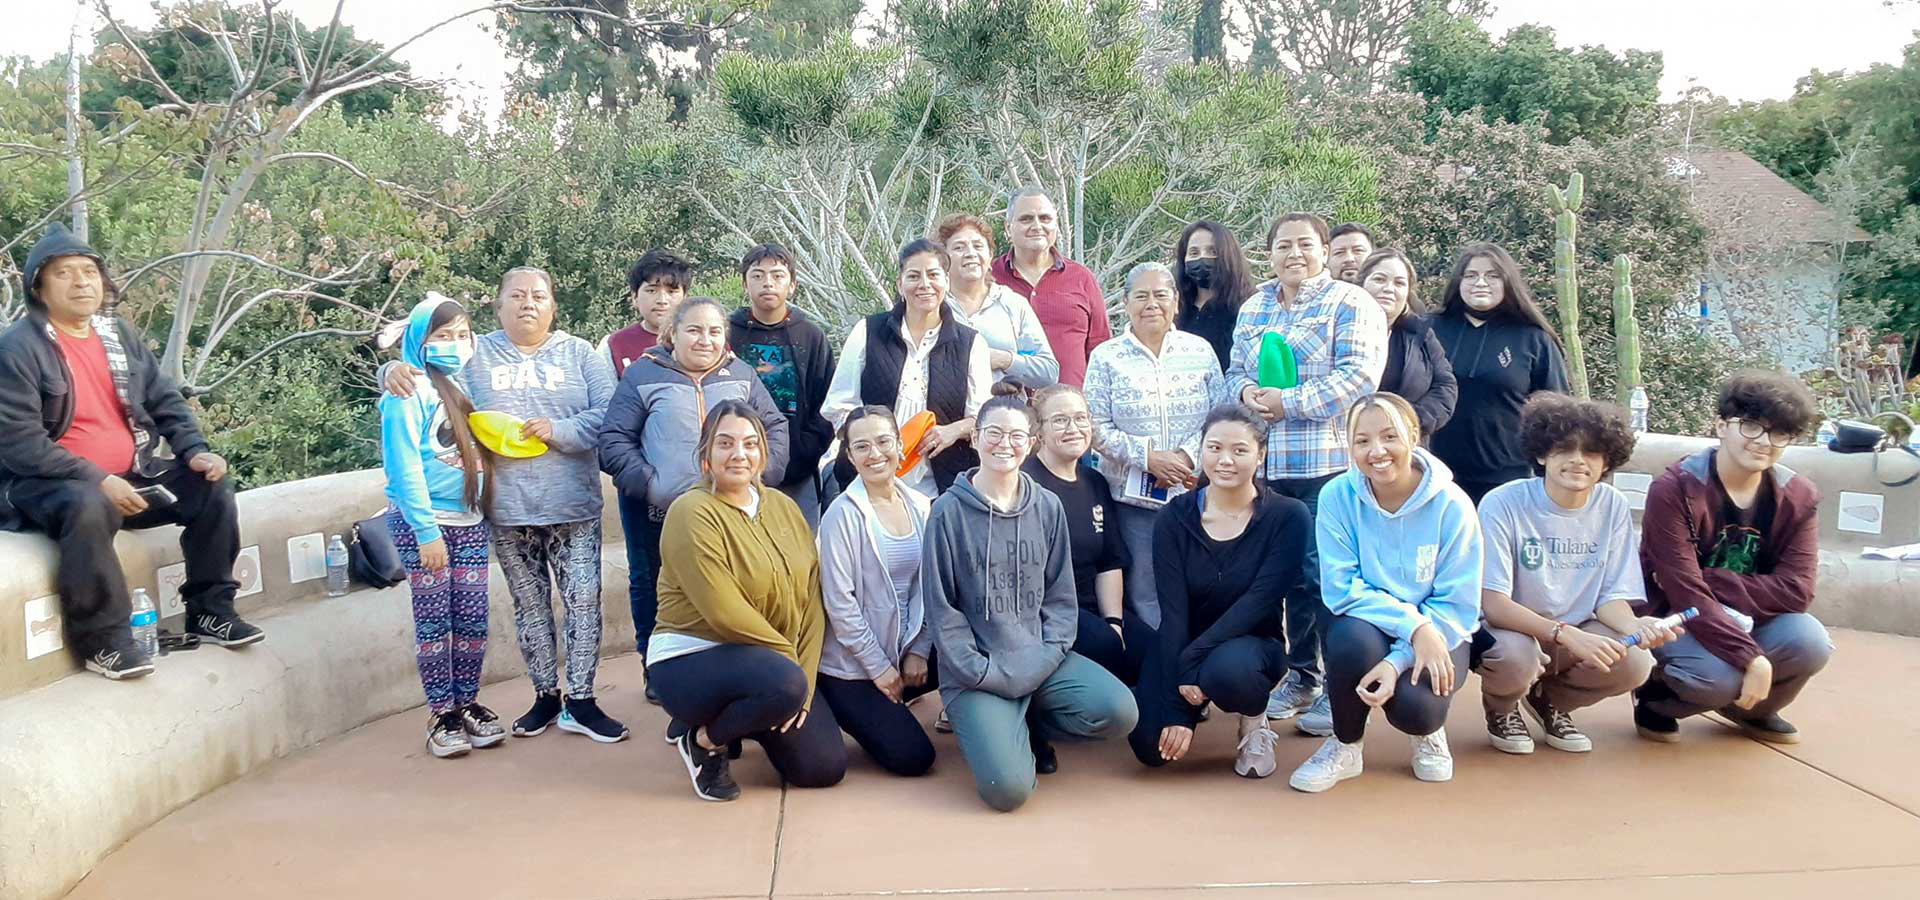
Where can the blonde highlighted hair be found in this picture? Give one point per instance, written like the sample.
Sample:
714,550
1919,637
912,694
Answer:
1397,409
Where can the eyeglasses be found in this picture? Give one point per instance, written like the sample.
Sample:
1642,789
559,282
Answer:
1753,431
879,445
994,434
1063,421
1488,277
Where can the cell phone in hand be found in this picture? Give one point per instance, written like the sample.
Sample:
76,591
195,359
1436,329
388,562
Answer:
157,495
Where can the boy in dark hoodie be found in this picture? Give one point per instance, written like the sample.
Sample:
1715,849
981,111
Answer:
1731,532
98,439
999,593
793,359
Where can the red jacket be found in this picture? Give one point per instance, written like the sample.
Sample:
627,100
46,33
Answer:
1682,518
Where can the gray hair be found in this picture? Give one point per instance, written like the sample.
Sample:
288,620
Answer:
1147,268
501,294
1022,193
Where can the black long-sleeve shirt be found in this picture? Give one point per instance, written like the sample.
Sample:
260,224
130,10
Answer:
1497,365
1214,591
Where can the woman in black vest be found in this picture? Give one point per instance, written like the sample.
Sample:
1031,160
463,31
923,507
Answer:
911,359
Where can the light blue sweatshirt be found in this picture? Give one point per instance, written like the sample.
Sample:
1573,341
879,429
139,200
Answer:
425,480
564,381
1398,571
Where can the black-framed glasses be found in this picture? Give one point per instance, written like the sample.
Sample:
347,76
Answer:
1753,431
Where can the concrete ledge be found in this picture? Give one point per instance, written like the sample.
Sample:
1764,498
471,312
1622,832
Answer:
86,764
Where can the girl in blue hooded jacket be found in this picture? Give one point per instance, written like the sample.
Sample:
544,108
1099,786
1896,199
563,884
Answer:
439,494
1400,561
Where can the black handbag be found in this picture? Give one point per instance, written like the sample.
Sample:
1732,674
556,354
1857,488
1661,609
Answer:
1865,437
372,559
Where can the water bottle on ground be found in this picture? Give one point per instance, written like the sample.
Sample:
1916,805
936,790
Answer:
1637,404
336,567
146,624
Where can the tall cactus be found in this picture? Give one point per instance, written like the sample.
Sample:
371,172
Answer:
1626,329
1566,276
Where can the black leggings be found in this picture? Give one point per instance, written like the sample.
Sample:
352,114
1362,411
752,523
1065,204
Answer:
1355,646
740,692
885,729
1096,641
1236,677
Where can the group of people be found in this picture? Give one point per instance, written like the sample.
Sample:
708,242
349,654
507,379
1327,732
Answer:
1075,535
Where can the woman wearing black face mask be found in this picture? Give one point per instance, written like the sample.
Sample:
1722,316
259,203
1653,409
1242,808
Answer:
1212,278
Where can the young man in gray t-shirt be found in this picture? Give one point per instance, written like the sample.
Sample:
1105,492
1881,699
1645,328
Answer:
1561,577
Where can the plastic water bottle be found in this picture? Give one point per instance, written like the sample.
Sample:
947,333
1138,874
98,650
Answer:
1827,433
146,624
1637,404
336,567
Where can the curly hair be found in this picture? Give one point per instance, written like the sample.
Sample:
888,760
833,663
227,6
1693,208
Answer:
1776,399
1552,421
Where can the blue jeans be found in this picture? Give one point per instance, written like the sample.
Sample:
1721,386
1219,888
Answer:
1306,612
1698,681
1079,702
643,567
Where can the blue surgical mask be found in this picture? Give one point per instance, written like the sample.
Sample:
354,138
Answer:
449,356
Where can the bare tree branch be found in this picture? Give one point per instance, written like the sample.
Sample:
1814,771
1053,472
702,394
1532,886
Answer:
337,277
269,350
159,83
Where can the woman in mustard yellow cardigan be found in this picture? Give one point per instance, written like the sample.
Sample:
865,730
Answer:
736,647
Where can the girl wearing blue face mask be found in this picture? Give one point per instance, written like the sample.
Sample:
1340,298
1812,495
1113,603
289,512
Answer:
439,494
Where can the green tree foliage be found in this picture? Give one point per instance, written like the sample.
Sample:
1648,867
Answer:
1345,46
630,51
1210,32
1589,92
789,28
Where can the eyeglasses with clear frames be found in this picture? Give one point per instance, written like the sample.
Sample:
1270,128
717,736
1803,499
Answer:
881,445
994,434
1063,420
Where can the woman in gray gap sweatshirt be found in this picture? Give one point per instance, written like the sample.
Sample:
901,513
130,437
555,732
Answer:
999,593
546,512
875,657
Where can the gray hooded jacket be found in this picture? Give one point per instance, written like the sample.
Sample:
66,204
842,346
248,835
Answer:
869,629
998,589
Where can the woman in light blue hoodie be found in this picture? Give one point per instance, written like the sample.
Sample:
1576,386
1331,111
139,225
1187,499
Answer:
439,494
1400,558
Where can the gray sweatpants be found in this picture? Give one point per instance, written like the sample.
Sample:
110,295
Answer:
1136,531
533,558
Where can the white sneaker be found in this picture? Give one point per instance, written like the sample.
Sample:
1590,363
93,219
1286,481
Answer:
1432,760
1318,719
1256,748
1333,763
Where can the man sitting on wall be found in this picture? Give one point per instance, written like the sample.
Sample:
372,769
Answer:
1735,534
96,439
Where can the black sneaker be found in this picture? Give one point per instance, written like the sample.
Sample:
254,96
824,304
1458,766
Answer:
707,769
230,632
1771,729
1562,734
1045,760
546,707
482,726
1652,725
675,728
118,663
583,716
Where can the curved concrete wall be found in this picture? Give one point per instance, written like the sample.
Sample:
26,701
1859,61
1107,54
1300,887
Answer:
86,764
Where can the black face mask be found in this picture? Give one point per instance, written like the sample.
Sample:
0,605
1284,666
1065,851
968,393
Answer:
1200,272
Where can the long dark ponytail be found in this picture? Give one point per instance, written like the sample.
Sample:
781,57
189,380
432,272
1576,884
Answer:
474,458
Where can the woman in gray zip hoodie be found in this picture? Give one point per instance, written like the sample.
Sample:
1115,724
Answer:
875,657
998,587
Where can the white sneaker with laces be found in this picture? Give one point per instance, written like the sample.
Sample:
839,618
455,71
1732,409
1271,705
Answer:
1432,760
1256,748
1333,763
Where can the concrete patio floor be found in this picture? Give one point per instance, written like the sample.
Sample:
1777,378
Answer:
371,815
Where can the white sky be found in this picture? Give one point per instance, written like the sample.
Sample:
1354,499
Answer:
1743,49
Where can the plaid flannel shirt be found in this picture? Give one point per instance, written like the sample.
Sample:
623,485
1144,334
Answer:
1339,339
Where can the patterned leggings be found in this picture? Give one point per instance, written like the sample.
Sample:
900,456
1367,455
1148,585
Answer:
534,557
449,612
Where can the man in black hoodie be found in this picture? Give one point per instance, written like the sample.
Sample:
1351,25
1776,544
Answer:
99,439
795,362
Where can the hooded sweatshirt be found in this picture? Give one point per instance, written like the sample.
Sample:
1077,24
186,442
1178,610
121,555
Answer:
998,589
425,478
795,362
1496,366
871,627
651,434
566,382
1214,591
37,403
1400,570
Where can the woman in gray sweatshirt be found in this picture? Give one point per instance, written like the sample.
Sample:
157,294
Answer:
875,657
998,586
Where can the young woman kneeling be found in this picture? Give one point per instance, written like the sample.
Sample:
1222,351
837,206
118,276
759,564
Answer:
1400,560
1227,554
998,579
737,645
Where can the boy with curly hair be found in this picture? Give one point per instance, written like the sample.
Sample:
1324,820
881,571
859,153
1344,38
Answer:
1733,533
1561,579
